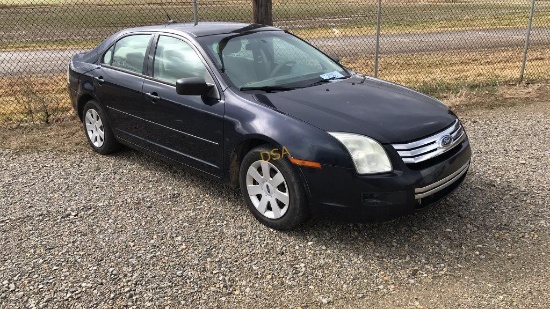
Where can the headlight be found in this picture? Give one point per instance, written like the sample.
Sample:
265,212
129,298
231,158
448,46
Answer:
368,155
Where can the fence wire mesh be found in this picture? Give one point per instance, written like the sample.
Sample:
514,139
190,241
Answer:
431,45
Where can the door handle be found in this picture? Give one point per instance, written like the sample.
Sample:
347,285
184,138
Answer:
153,96
99,79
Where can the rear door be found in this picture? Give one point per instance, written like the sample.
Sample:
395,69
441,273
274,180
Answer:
187,128
119,85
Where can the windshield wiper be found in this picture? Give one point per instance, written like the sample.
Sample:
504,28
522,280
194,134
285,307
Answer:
268,88
326,80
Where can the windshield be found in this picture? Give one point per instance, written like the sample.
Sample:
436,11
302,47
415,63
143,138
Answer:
270,60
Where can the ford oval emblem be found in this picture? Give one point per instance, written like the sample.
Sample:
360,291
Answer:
445,141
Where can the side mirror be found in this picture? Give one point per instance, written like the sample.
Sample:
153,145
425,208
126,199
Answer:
335,59
193,86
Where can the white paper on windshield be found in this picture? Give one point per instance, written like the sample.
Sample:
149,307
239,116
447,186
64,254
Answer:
331,75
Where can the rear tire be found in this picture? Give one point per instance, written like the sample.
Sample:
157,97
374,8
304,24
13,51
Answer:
272,191
97,129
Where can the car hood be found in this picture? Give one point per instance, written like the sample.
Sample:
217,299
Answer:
384,111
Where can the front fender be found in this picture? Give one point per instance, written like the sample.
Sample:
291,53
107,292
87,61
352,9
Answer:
250,120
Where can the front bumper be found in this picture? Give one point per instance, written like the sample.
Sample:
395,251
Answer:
341,193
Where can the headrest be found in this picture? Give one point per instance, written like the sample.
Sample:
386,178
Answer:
172,54
233,46
135,56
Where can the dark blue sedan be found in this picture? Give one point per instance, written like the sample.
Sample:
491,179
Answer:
262,109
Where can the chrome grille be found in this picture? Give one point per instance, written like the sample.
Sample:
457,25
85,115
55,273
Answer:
432,146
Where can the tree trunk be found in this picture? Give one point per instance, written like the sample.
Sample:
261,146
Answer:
262,12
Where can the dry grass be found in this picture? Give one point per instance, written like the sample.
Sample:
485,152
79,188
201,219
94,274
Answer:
26,102
64,137
441,72
505,95
225,2
34,99
49,45
40,99
426,26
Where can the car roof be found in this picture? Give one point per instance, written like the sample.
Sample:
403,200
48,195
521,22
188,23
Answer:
205,28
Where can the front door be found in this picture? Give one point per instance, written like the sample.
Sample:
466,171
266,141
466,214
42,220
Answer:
186,128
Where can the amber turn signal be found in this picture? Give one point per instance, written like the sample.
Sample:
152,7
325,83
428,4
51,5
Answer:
306,163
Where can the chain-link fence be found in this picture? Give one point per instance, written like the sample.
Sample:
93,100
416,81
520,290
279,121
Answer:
435,46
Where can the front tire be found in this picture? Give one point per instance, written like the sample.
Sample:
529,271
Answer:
97,129
272,191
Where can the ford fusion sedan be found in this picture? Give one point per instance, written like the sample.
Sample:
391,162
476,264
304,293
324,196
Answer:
261,109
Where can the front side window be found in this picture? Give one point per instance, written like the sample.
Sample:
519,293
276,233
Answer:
129,53
175,59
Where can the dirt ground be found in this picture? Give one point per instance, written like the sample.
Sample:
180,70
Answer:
78,229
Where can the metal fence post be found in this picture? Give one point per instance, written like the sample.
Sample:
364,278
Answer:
195,13
527,40
377,51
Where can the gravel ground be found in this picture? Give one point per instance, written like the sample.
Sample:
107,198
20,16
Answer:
82,230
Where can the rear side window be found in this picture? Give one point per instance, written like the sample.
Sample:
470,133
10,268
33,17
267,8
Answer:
175,59
129,53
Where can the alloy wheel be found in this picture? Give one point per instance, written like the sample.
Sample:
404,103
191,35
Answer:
267,189
94,128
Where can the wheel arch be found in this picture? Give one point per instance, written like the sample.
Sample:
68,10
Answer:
238,153
245,146
82,100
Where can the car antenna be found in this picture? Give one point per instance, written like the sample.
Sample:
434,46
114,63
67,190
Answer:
170,20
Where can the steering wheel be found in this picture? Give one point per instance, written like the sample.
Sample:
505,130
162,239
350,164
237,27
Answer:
280,66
